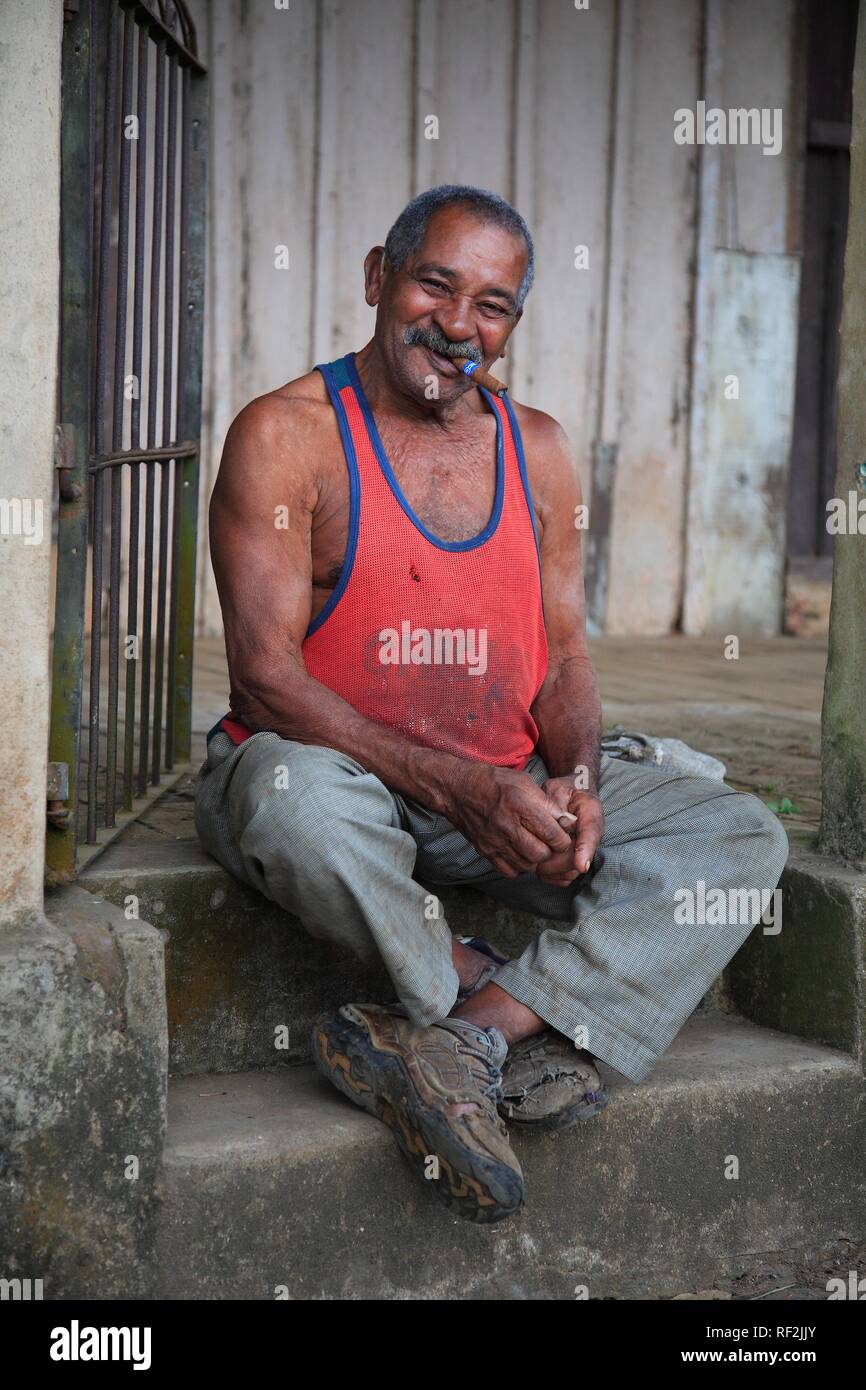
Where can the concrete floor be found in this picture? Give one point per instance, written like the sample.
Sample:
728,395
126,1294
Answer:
760,714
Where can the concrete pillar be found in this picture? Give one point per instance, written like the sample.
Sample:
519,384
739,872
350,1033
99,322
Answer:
30,46
843,719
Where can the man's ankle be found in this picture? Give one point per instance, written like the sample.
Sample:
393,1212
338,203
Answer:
468,963
493,1007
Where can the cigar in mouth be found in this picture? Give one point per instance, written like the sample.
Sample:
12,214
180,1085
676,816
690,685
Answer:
480,375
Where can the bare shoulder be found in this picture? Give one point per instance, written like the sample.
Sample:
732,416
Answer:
286,435
550,460
295,412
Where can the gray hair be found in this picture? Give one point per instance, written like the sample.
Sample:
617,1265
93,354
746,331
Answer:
408,231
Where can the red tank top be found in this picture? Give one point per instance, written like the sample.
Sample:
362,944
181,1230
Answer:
442,641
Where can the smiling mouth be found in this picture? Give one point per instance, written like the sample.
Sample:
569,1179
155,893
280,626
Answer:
444,364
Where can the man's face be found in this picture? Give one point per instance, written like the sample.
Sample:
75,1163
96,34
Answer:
455,296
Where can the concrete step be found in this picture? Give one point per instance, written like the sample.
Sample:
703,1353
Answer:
275,1185
244,981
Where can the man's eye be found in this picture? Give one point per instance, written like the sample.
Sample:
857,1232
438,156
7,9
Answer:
434,285
495,311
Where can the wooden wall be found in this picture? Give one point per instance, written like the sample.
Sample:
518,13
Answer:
318,141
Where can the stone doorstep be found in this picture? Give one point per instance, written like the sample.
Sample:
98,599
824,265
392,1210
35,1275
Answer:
245,981
242,975
270,1178
83,1097
273,1180
810,980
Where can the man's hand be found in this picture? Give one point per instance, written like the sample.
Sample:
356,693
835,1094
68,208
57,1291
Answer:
508,818
586,831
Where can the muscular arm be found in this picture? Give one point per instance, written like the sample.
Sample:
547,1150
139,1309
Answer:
264,578
567,709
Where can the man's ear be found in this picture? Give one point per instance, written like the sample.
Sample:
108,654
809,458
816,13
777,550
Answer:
375,265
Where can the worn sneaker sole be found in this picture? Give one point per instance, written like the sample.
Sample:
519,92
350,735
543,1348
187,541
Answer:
561,1119
370,1072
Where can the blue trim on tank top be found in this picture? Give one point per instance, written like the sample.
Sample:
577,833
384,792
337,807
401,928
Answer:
527,491
332,377
375,438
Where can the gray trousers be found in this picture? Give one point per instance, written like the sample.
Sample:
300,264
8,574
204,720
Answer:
316,833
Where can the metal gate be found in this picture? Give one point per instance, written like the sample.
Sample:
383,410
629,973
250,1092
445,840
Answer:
133,217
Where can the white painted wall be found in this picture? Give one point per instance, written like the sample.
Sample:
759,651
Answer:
317,140
30,41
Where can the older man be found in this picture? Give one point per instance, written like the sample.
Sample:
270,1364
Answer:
399,571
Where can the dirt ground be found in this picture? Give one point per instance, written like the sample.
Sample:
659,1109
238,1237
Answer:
759,712
784,1277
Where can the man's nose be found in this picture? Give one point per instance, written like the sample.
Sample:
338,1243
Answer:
456,319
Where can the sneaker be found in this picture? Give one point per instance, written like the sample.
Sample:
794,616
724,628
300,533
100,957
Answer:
437,1089
549,1083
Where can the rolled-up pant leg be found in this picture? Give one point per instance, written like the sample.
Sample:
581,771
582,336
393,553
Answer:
627,971
312,830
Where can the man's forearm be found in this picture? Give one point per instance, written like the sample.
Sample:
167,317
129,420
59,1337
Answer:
302,709
567,712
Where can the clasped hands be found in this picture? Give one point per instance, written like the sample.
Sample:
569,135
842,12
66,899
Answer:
552,831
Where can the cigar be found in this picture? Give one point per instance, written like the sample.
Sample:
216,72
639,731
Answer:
480,375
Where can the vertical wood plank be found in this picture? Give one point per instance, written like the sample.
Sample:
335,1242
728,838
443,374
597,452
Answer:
646,399
367,118
279,190
428,19
560,182
745,202
471,66
217,36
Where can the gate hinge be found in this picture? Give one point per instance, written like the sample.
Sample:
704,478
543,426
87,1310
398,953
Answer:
64,462
57,792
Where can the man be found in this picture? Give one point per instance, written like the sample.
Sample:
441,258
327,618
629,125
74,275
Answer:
399,571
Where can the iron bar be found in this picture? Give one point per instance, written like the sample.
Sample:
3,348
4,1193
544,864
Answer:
118,400
135,423
159,673
166,420
193,224
108,151
163,453
160,32
168,379
181,481
152,399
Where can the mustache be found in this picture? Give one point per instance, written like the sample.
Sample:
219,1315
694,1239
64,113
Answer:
436,341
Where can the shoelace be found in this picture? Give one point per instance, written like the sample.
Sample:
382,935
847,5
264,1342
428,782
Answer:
488,1075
